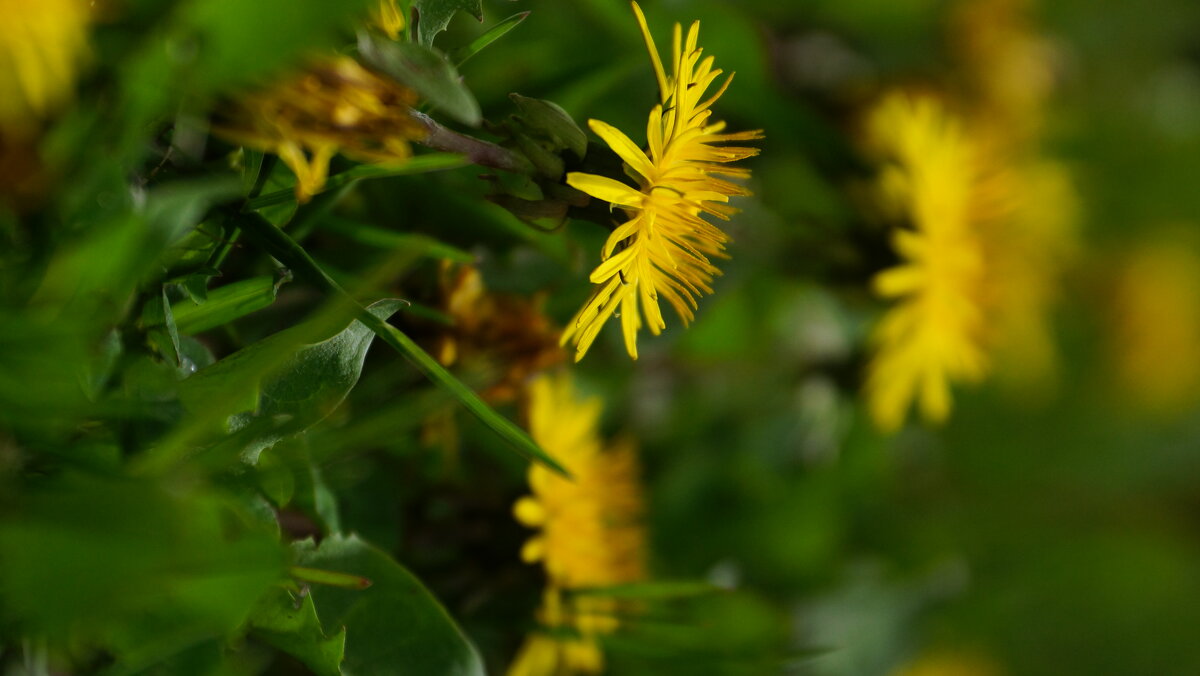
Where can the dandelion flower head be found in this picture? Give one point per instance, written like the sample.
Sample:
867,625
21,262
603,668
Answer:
665,247
591,534
42,43
931,336
1031,238
334,106
1006,65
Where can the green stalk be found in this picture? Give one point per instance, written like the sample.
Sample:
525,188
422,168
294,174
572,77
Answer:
278,244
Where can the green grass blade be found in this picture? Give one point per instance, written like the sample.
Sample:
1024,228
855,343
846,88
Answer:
389,239
291,254
658,590
420,164
460,55
225,304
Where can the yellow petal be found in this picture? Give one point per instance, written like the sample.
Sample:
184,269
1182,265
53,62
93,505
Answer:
610,267
623,146
630,323
606,189
898,281
529,511
664,87
533,550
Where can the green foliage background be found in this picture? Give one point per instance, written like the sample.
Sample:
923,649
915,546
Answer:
144,530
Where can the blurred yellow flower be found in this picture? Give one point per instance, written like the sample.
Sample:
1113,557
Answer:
1027,248
591,534
1006,73
388,17
591,529
334,106
572,647
665,247
1156,332
986,228
932,335
42,44
1007,66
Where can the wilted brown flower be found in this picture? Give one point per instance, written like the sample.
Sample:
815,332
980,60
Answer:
505,336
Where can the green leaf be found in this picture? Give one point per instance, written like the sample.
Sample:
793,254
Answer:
139,568
548,120
331,578
196,286
502,426
131,244
98,271
548,164
291,625
423,245
160,327
313,382
419,164
235,47
395,626
175,208
226,304
313,496
494,33
287,251
294,392
434,15
100,368
275,479
426,71
193,355
252,164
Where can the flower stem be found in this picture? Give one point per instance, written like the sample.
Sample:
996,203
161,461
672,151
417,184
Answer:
480,152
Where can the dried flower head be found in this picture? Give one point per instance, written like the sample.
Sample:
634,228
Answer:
509,335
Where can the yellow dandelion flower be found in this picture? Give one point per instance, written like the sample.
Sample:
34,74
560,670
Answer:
42,44
665,247
388,17
933,334
333,106
591,532
993,224
1006,65
1006,69
1156,322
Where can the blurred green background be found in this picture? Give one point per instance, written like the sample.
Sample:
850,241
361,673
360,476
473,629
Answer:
1050,534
